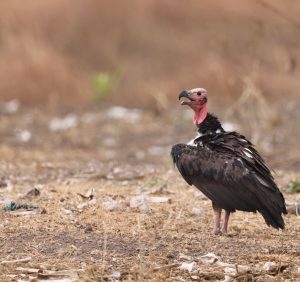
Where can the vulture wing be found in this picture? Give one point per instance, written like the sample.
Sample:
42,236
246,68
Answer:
230,172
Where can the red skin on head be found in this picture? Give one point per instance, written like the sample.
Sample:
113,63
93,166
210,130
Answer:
197,99
200,113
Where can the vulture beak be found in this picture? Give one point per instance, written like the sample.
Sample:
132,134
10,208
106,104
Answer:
184,93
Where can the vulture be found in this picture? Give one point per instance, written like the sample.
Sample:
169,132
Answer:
226,168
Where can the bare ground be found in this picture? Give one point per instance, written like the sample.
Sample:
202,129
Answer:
139,220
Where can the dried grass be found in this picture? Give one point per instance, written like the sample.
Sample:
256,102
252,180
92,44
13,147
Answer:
53,48
140,244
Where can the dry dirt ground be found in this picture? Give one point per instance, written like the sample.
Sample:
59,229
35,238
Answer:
112,207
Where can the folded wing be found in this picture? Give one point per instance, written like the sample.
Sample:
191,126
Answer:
230,172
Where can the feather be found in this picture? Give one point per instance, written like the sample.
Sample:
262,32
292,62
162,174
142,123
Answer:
232,179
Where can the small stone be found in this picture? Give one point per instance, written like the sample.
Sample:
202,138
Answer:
270,266
209,258
129,115
61,124
87,204
88,228
10,107
24,136
227,278
112,205
66,211
116,275
230,271
189,266
43,211
33,193
139,202
243,268
196,211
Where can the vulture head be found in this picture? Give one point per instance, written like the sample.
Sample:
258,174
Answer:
196,99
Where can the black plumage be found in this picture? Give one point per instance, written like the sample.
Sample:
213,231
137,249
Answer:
229,171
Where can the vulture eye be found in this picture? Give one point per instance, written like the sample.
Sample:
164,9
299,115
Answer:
199,93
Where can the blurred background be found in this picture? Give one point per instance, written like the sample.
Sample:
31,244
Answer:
89,112
72,72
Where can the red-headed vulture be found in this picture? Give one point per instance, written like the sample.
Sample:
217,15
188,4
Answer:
226,168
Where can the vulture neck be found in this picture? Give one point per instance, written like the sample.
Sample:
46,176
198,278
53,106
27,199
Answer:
211,125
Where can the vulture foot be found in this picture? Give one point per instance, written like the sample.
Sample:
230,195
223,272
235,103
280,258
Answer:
217,228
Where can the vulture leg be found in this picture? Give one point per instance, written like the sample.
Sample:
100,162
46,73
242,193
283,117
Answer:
225,224
218,213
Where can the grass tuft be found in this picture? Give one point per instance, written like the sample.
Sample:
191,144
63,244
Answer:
293,187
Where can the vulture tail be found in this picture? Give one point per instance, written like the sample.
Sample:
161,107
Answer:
272,203
275,220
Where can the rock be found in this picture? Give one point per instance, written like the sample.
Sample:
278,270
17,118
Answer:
88,228
61,124
116,275
66,211
10,107
24,136
139,202
227,278
197,211
86,204
89,195
43,211
230,271
189,266
243,268
127,115
209,258
32,193
270,266
112,205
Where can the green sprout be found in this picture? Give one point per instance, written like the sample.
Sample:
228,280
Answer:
293,187
104,83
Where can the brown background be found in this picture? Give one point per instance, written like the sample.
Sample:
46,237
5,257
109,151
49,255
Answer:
50,49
